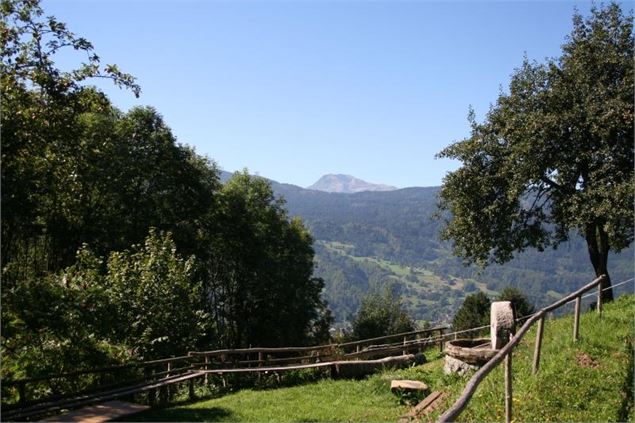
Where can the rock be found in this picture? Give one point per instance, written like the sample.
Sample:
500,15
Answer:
502,323
454,365
408,385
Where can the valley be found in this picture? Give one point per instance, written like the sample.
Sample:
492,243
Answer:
371,240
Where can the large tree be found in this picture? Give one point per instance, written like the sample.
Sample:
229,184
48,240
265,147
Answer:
554,156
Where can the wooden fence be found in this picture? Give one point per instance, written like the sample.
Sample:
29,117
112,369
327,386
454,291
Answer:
39,395
505,353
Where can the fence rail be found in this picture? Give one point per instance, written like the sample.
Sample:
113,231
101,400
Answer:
161,373
505,353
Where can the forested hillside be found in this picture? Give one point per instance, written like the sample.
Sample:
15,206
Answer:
368,239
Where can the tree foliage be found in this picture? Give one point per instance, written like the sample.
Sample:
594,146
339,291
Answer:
120,243
522,306
261,281
554,155
473,313
381,314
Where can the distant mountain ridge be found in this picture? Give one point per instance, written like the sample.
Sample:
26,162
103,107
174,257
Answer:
346,184
368,240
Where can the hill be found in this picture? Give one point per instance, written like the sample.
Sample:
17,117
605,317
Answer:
370,239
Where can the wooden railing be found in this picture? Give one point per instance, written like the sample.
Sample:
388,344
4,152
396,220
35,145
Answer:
143,376
366,348
505,353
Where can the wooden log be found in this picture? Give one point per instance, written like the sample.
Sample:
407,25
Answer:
383,338
536,365
576,318
360,368
508,387
429,404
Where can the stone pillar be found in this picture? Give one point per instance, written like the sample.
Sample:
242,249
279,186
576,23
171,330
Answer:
502,323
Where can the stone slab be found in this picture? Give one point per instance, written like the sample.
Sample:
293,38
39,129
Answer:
408,385
454,365
502,324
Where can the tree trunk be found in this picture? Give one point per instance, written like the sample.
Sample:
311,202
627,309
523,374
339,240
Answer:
598,244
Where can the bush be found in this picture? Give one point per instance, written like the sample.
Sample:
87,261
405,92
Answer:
381,315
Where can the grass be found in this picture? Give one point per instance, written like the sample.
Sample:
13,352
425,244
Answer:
365,400
588,380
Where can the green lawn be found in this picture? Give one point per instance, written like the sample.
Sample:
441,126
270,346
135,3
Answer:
588,380
326,400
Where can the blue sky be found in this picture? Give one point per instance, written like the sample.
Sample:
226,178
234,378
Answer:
295,90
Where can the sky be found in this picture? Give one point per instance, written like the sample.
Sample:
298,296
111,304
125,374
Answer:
293,90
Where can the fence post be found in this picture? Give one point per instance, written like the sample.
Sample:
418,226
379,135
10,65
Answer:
576,318
536,365
599,306
167,388
163,395
147,374
22,392
404,346
441,340
508,387
191,389
206,368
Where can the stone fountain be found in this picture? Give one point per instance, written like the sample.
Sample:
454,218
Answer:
464,354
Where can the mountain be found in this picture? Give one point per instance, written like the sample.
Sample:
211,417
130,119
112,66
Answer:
346,184
371,240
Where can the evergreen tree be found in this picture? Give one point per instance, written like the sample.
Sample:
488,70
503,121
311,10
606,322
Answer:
473,313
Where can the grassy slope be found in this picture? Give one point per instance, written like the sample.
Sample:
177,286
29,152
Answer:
586,380
420,282
327,400
583,381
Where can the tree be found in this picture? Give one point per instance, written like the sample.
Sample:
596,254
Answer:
473,313
520,304
554,156
158,301
379,315
41,105
260,285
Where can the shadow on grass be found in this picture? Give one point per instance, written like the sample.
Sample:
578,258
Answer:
212,414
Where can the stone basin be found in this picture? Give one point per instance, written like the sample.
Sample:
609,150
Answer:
471,351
